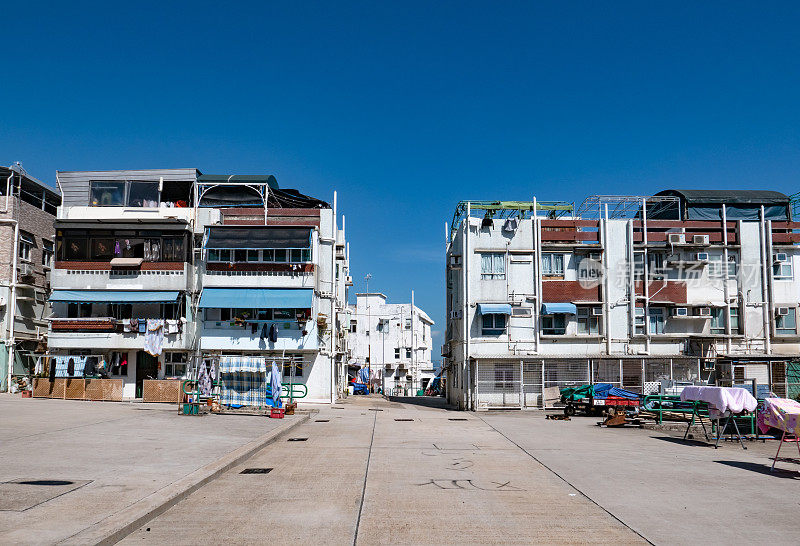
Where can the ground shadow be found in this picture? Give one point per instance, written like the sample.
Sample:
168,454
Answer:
761,468
687,442
438,402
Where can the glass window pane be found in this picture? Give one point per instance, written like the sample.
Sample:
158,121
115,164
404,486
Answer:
107,194
268,255
280,255
253,256
143,194
102,249
297,255
76,249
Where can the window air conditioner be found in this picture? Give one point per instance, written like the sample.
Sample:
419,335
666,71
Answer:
25,270
597,311
455,314
702,256
783,311
681,312
704,311
781,257
676,238
348,279
700,239
520,311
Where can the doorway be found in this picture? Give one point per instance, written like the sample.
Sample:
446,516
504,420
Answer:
146,368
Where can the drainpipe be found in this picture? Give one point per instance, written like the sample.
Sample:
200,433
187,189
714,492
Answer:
537,274
771,285
11,305
465,307
8,189
604,258
631,285
725,291
646,281
765,311
333,302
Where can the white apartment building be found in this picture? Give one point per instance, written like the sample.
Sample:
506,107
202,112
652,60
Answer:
393,340
224,261
686,285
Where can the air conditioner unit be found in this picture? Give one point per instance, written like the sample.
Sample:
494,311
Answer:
700,239
702,256
676,238
25,270
704,311
781,257
455,261
348,280
782,311
455,315
597,311
681,312
520,311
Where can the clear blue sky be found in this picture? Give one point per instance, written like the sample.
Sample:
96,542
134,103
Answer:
406,108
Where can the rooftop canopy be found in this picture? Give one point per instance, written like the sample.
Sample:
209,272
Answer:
739,204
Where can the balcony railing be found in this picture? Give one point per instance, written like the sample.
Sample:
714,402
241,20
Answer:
103,324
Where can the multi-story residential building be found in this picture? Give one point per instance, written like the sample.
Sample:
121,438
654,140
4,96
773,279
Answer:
635,291
27,209
220,259
393,340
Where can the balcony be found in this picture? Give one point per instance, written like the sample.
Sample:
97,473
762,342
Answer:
225,275
101,276
230,336
98,333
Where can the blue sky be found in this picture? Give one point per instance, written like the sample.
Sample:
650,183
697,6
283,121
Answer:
407,107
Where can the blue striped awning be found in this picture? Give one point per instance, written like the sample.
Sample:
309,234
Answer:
494,308
559,309
257,298
114,296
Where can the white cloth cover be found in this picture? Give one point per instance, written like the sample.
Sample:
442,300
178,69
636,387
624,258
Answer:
154,336
722,399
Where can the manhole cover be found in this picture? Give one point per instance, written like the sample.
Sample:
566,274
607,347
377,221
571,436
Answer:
297,439
256,471
24,493
403,419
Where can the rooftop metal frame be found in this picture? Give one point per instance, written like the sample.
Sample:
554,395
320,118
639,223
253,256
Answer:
508,209
625,206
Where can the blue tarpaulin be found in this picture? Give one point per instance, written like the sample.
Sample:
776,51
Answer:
257,298
604,390
494,308
113,296
559,308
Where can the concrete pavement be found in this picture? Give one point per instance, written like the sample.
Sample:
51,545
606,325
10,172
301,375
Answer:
71,465
378,472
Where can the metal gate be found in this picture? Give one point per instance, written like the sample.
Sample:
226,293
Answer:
498,384
532,383
792,380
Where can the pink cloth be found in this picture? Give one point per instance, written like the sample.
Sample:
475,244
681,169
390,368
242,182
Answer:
780,413
721,399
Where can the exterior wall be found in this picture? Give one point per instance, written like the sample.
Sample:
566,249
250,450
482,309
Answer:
692,277
387,347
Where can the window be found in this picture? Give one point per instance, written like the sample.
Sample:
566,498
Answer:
221,255
174,364
26,244
504,376
48,251
656,320
408,353
79,310
782,270
553,264
554,325
107,194
493,325
408,324
397,353
717,320
76,248
786,325
383,325
493,266
102,248
734,318
353,326
639,320
169,311
143,194
288,369
253,256
589,320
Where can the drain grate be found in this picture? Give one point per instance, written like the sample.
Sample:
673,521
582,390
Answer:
457,419
375,409
321,420
256,471
403,419
45,482
297,439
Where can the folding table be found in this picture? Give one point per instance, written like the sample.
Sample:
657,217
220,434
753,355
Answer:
722,402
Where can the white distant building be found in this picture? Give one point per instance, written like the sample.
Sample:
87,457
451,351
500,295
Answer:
394,340
637,291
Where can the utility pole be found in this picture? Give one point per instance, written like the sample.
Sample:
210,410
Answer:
369,337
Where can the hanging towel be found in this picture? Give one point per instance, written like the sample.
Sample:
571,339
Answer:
154,336
273,333
275,385
264,331
511,224
204,381
172,326
39,368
